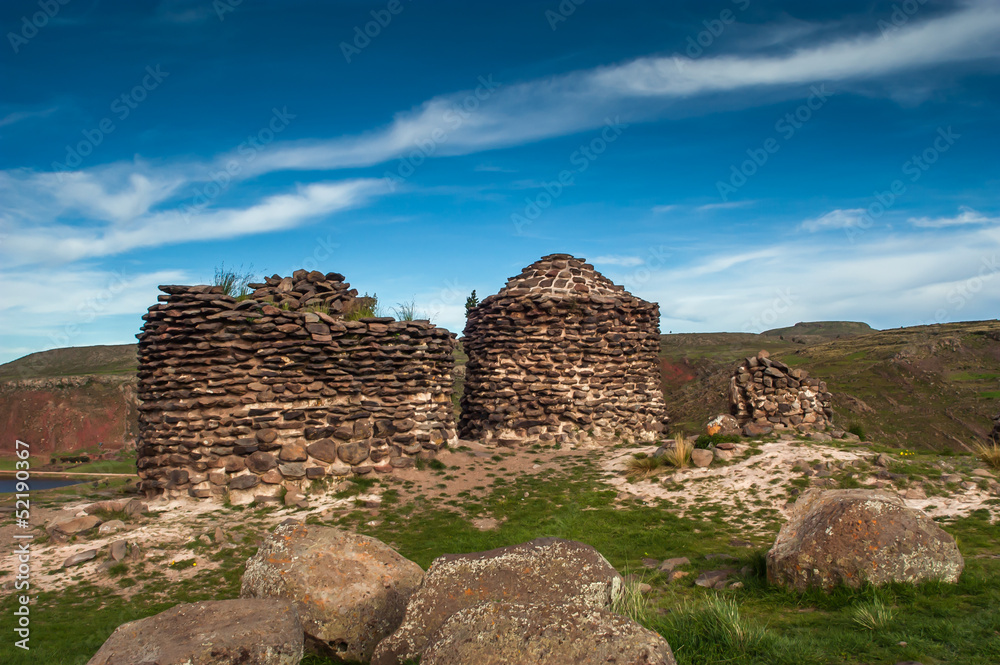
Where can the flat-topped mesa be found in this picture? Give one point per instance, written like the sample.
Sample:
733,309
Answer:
255,396
766,394
562,354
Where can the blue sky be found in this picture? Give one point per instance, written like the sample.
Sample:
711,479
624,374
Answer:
745,164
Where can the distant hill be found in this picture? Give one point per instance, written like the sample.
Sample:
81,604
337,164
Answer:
73,361
815,332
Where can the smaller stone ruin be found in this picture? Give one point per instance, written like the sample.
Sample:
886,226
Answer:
995,434
257,396
766,393
563,354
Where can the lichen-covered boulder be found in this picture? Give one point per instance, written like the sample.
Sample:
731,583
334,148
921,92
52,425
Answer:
529,634
213,632
543,571
856,536
350,590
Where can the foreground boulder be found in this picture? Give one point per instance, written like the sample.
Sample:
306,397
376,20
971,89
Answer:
214,632
504,633
856,536
350,590
544,571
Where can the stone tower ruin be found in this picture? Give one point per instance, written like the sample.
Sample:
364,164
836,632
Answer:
562,354
248,397
766,394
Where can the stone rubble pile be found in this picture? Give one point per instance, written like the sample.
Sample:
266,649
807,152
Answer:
244,397
562,354
766,394
995,434
306,289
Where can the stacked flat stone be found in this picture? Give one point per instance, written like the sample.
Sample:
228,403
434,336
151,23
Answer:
995,434
306,289
764,392
562,354
249,398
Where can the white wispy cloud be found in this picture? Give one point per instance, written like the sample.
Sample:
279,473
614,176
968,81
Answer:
18,116
729,205
63,243
512,114
835,219
659,210
966,217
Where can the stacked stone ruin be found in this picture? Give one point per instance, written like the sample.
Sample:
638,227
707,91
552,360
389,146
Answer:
995,434
766,393
562,354
254,396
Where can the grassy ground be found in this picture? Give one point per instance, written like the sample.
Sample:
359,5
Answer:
756,624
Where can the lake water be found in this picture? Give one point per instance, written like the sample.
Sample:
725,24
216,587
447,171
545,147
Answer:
8,484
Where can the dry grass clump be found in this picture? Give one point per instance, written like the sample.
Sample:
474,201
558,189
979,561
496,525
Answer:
679,454
642,467
989,453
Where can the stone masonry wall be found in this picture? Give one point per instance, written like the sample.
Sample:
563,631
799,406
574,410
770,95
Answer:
562,354
248,397
767,393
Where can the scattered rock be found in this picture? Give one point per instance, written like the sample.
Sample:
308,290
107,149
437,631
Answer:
915,494
110,506
350,590
701,458
74,525
112,526
118,549
982,473
651,563
736,542
544,571
856,536
714,579
135,507
755,429
500,633
724,424
214,632
676,575
724,455
79,558
670,564
722,557
951,478
220,535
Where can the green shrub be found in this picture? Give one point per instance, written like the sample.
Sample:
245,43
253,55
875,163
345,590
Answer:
471,303
706,440
873,615
857,430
